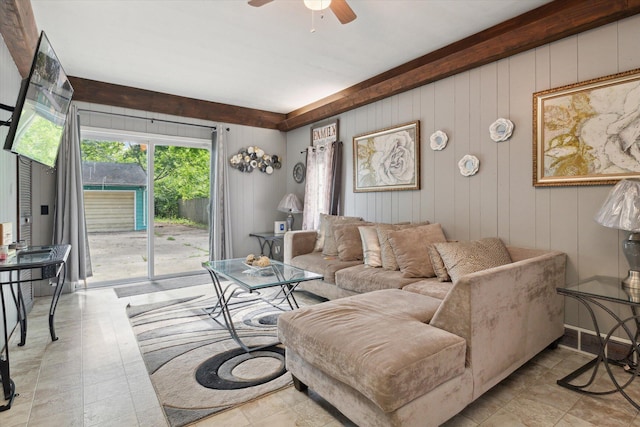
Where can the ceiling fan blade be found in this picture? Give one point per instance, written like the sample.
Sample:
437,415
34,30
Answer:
258,3
343,12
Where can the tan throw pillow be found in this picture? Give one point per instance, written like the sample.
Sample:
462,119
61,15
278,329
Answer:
330,247
462,258
325,219
370,246
386,253
410,248
438,265
348,240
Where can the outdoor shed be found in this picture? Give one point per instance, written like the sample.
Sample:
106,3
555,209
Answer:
115,196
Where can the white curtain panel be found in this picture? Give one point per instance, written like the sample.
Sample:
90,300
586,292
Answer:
317,194
220,243
69,222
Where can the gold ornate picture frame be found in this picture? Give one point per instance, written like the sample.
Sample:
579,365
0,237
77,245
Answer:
587,133
388,159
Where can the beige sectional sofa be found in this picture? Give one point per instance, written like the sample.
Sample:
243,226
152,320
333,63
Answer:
392,351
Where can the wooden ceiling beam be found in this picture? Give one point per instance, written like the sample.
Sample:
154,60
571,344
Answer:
548,23
146,100
20,32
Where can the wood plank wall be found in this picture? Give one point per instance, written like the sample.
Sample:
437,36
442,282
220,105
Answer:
9,86
500,200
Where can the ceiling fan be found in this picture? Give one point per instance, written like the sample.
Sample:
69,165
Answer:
340,8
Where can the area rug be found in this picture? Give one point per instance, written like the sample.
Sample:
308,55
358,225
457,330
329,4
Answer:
195,366
162,285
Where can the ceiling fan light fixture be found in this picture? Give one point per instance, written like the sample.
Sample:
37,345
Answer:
317,4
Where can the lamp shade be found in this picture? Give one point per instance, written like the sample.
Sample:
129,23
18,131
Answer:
290,203
621,209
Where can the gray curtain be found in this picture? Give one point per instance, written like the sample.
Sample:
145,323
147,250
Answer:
220,242
69,221
323,183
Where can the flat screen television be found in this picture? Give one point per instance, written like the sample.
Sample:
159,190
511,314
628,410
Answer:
38,119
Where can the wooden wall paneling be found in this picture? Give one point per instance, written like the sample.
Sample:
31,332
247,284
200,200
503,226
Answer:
542,215
385,199
445,162
416,196
563,60
522,206
427,127
628,36
488,111
504,158
403,203
364,206
476,142
9,87
462,185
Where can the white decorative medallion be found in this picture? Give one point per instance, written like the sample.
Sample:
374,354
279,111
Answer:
438,140
501,130
469,165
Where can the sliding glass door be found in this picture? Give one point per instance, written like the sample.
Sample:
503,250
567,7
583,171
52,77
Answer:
146,199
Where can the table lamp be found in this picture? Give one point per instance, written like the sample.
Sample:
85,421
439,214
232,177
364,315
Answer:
290,204
621,210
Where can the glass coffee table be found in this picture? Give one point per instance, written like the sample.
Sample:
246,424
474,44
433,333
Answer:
284,278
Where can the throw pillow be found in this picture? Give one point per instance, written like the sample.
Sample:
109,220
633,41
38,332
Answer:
370,246
348,240
330,247
386,252
410,248
462,258
322,230
438,265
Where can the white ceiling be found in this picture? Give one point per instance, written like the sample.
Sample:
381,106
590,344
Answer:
266,58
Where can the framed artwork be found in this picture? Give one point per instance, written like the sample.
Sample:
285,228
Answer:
587,133
388,159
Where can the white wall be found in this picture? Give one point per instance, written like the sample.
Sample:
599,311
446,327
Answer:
500,200
254,196
9,86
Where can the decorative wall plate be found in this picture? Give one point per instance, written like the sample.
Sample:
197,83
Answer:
299,171
438,140
469,165
501,130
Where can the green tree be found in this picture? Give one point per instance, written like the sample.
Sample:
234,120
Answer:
179,172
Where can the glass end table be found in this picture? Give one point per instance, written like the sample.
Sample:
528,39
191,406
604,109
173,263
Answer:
593,293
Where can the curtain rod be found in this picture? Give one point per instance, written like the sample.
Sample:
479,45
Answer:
151,119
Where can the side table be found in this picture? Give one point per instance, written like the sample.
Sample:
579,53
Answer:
592,293
271,241
45,262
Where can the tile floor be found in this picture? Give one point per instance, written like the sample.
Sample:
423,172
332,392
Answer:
94,376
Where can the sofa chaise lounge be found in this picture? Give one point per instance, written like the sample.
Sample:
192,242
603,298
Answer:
408,357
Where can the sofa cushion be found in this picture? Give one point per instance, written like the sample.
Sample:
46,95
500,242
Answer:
318,263
386,252
370,246
378,343
438,265
362,278
462,258
410,249
324,223
431,287
348,241
327,223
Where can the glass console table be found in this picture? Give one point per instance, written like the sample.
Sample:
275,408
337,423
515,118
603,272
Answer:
593,293
45,262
